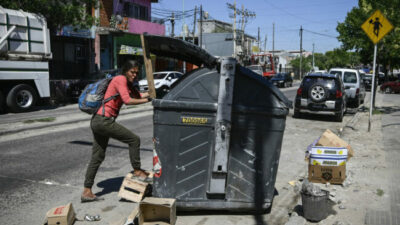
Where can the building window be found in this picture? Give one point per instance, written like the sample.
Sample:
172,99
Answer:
136,11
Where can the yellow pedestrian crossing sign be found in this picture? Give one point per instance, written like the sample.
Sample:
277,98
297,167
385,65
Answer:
377,26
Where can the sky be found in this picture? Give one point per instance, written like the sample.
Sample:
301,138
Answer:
318,18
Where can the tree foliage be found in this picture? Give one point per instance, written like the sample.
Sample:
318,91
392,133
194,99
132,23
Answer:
336,58
353,37
58,13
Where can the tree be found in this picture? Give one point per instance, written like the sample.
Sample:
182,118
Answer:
305,64
353,37
58,13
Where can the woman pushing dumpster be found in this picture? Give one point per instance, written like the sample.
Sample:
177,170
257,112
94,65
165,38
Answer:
104,127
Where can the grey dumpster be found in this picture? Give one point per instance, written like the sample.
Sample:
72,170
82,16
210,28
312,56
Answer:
218,136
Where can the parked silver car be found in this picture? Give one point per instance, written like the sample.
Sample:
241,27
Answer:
353,83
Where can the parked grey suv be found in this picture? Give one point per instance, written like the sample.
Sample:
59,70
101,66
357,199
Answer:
321,94
353,84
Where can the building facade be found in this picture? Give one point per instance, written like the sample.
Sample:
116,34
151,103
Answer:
118,35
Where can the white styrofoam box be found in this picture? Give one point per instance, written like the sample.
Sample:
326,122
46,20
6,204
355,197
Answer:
327,160
328,151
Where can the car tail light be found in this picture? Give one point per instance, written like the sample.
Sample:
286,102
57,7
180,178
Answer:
357,91
299,91
339,94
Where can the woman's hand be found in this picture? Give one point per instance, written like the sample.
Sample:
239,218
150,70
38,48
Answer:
145,95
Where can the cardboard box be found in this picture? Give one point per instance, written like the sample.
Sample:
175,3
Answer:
326,174
160,211
62,215
329,139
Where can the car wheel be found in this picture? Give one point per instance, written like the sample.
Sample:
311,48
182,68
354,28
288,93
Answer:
388,90
296,114
339,117
165,89
21,98
357,103
317,93
2,101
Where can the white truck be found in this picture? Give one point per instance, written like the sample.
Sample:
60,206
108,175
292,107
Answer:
24,59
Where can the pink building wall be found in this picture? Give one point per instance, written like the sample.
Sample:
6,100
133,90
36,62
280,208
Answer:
140,26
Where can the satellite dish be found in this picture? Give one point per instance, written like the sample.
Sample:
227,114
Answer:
205,15
118,18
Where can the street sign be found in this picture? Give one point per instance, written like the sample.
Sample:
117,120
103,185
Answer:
376,26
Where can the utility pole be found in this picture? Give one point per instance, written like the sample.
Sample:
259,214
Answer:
201,26
243,22
273,46
313,64
183,29
265,44
194,22
172,24
301,51
258,36
234,29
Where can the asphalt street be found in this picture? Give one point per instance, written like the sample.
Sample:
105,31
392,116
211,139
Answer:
46,168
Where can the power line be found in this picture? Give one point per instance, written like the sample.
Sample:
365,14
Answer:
325,35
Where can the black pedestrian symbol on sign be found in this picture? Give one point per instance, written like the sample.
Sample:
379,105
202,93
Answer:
377,25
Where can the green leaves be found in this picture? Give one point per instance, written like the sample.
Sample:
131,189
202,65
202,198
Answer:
353,37
57,12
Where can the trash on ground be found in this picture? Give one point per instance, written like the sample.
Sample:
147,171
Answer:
157,211
61,215
314,202
327,158
92,218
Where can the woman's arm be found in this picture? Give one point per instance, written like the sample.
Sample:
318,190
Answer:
136,101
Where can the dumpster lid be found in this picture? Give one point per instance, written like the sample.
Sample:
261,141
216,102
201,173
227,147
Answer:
179,49
267,83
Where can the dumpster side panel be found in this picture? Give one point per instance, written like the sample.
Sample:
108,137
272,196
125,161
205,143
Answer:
184,131
257,132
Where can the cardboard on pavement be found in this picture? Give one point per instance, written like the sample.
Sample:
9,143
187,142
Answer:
157,211
330,173
61,215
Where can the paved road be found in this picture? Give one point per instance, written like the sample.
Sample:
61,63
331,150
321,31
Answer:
46,170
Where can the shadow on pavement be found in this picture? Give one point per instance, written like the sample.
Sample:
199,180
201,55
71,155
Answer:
89,143
109,185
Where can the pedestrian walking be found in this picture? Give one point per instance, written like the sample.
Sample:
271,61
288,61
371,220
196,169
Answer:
104,127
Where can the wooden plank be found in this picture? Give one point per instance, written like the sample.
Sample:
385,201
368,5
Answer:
131,196
149,68
135,186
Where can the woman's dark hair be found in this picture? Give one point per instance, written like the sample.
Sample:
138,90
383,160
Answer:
129,65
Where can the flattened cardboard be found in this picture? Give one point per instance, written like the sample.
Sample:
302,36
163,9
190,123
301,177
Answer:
329,139
61,215
326,174
160,211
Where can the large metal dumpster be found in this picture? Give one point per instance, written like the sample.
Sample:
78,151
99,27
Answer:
218,136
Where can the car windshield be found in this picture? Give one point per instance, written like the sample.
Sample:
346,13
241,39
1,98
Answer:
279,75
325,81
336,72
350,77
160,75
254,67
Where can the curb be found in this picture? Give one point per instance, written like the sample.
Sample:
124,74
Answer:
14,131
